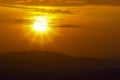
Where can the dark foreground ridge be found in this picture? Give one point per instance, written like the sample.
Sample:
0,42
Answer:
36,65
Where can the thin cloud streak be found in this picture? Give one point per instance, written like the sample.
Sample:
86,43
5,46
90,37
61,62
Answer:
63,2
30,8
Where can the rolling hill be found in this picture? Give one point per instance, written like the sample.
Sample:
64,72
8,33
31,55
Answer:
37,64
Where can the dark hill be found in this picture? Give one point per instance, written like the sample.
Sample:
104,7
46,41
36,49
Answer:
47,61
33,65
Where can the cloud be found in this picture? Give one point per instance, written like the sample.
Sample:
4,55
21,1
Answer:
103,2
45,10
67,26
65,2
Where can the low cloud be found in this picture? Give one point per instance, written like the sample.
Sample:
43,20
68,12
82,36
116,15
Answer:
67,26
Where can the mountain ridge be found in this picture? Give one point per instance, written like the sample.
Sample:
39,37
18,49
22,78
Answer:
45,65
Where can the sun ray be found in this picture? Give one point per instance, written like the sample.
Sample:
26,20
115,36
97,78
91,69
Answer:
41,31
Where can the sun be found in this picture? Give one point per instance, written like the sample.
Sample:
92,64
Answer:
41,30
41,24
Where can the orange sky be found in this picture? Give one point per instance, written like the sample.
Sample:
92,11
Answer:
98,33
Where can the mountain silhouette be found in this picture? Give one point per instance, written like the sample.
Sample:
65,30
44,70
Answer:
34,64
47,61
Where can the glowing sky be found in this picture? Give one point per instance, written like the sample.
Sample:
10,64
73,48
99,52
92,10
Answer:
97,33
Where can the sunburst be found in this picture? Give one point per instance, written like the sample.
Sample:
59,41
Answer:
41,31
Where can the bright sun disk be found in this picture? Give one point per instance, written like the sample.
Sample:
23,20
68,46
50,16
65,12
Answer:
41,31
41,24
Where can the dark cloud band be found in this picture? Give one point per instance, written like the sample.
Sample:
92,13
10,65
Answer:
64,2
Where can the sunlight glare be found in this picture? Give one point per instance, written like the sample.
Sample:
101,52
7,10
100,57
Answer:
41,31
41,24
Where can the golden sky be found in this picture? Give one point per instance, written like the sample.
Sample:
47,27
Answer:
94,29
